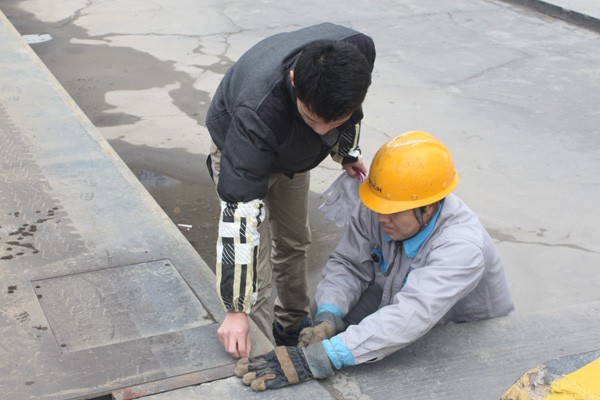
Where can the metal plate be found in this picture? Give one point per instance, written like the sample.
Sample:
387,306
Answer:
114,305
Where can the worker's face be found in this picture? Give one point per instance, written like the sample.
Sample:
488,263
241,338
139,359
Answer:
404,224
317,123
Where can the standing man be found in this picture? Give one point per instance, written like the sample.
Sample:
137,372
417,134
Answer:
284,106
413,256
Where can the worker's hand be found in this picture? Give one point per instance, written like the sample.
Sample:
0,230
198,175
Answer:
325,326
315,334
284,366
356,169
234,334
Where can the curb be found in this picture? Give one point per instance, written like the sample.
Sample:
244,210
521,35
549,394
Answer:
565,14
570,377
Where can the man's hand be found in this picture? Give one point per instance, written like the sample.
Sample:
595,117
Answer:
234,334
315,334
284,366
325,326
356,170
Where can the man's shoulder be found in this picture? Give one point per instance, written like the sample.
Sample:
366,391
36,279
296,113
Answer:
276,111
326,30
330,31
457,222
453,204
285,45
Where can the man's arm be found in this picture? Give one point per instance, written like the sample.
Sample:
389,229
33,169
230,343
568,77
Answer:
349,270
347,150
245,162
237,253
452,271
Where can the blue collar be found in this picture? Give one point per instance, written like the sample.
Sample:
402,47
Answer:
412,245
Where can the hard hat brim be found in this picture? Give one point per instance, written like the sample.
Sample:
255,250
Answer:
380,205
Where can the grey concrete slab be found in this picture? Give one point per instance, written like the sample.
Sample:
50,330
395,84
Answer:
100,290
473,361
233,388
479,360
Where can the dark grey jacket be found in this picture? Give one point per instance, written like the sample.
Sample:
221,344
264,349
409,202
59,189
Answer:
254,121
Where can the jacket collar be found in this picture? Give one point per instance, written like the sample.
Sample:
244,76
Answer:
412,245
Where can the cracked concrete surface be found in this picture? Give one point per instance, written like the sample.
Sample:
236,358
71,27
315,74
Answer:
514,94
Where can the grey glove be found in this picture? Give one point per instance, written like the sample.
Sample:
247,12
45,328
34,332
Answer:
284,366
340,198
325,326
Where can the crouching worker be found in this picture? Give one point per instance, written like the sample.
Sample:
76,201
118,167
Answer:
413,256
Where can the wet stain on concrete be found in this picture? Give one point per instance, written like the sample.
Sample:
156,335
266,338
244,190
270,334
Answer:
187,202
195,203
26,230
506,237
30,206
25,245
128,69
22,317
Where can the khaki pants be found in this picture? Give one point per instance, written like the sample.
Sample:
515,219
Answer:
284,240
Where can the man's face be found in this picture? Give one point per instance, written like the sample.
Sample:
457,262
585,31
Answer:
317,123
404,224
401,225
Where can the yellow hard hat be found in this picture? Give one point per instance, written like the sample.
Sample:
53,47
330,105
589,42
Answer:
412,170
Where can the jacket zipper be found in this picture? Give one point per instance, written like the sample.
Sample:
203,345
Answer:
397,251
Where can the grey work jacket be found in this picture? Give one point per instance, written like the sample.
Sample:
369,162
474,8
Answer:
455,276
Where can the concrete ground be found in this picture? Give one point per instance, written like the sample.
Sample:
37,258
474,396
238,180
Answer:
511,91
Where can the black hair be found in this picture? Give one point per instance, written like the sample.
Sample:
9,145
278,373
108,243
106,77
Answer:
331,78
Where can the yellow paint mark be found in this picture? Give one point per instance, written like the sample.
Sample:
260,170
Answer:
588,376
528,386
583,384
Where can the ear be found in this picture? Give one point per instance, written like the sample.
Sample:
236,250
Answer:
292,76
431,209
